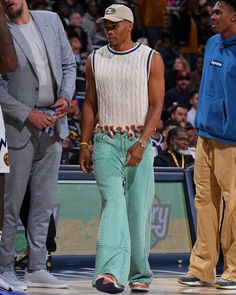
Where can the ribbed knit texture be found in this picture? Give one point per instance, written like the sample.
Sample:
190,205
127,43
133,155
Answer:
122,79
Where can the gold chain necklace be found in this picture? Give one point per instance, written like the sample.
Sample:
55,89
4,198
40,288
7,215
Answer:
175,160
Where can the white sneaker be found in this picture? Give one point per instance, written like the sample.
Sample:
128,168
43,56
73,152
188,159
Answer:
4,285
10,278
43,279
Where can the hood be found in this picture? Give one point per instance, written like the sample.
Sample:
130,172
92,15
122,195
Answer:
230,41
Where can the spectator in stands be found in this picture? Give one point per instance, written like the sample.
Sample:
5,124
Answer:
192,112
39,5
157,138
123,150
181,93
192,137
205,24
143,40
152,18
95,32
185,26
62,9
180,64
75,5
44,79
170,54
176,154
160,144
215,168
179,113
80,59
76,29
197,74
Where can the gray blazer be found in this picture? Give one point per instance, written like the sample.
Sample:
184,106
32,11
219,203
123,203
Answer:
20,92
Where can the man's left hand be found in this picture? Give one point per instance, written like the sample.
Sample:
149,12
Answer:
61,106
134,155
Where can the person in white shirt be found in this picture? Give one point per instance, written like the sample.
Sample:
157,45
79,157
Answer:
192,112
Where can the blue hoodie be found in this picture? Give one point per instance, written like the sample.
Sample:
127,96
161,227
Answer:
216,113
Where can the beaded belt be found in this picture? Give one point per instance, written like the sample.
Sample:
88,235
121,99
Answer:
113,129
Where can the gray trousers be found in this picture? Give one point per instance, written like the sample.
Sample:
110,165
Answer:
38,162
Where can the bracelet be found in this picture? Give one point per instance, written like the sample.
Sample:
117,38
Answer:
84,143
142,142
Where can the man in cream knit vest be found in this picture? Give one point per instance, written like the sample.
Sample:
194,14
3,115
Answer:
125,88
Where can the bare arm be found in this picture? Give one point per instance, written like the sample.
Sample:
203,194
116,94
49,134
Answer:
156,90
89,111
7,50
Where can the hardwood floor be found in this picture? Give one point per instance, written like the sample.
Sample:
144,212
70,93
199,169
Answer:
163,285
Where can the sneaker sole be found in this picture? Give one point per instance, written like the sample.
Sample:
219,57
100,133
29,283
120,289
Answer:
43,285
225,287
108,287
15,289
192,284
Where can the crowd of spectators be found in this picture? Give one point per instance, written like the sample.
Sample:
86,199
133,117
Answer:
177,29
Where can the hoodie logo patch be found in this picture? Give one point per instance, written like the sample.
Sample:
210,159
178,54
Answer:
216,63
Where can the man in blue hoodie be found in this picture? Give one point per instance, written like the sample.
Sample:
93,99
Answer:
215,165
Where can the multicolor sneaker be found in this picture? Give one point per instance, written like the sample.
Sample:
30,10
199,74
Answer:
107,283
190,280
139,287
225,284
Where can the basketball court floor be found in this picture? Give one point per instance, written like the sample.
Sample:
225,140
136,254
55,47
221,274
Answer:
165,282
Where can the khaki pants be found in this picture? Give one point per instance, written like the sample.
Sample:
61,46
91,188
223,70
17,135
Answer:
215,177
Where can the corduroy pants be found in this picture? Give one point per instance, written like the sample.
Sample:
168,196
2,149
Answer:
215,178
123,242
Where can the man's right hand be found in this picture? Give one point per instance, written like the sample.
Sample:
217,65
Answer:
85,160
40,120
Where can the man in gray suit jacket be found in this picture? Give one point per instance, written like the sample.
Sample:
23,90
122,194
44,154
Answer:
44,80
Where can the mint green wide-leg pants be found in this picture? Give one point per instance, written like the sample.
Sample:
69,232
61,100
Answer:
123,242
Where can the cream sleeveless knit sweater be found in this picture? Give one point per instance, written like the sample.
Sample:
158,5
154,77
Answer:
122,84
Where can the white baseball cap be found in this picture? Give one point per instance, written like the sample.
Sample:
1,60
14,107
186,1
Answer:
117,13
